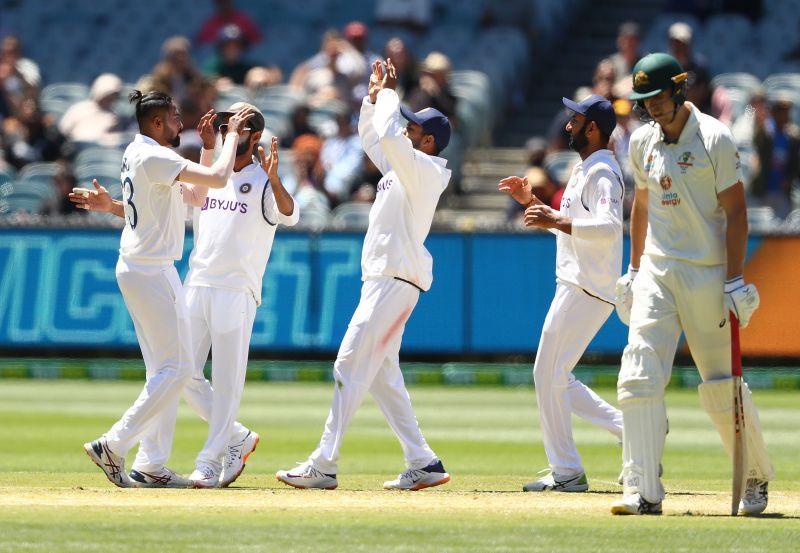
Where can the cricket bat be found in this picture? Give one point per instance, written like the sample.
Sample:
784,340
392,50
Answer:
739,441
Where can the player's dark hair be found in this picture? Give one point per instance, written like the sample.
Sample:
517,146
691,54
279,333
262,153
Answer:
148,103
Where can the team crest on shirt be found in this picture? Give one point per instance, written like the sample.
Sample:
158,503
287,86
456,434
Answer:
685,161
245,188
667,197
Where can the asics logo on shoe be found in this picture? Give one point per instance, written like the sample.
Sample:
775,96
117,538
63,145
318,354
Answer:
102,450
140,476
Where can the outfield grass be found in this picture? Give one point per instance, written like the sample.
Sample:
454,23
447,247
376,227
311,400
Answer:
52,498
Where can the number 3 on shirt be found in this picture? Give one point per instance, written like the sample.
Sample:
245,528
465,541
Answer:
131,216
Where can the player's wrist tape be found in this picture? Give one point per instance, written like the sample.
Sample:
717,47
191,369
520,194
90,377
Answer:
734,284
632,271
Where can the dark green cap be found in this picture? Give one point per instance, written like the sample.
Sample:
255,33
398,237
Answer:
654,73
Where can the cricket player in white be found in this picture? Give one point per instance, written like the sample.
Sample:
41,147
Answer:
688,244
588,230
395,267
234,231
151,241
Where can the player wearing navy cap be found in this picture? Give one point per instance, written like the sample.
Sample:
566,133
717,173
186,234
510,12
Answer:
588,230
395,268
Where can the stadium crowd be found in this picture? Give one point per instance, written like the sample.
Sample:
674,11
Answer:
313,109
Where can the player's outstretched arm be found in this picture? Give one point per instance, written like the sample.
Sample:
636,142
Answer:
217,175
269,163
96,200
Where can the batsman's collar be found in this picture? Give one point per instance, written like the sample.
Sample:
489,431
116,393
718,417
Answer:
433,122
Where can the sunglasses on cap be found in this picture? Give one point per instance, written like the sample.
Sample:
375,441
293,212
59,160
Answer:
224,128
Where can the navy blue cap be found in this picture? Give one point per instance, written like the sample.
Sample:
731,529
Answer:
595,108
432,122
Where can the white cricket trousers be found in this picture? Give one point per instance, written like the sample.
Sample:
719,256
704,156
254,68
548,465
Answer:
155,299
221,320
571,323
369,360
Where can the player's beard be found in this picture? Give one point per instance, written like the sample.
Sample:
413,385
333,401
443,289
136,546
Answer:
176,140
579,141
243,146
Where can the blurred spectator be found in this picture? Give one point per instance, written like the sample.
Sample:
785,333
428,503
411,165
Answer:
227,14
629,38
307,182
619,143
229,63
31,136
404,62
176,74
433,89
19,77
777,143
536,150
699,82
543,187
299,126
332,73
94,120
342,159
58,204
369,178
414,14
260,78
603,79
355,33
754,116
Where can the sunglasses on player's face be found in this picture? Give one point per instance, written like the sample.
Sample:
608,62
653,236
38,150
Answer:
224,128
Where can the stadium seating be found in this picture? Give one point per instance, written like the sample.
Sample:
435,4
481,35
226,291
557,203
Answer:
350,215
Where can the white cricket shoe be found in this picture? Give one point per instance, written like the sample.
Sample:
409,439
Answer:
635,504
162,478
204,476
111,464
557,483
235,458
418,479
306,476
755,497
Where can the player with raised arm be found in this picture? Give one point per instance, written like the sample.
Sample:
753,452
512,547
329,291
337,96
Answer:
588,230
234,231
688,243
151,241
395,268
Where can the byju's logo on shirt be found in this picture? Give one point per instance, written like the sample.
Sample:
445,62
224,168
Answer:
224,205
667,197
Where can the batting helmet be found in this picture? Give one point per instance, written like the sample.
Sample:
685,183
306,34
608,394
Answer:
655,73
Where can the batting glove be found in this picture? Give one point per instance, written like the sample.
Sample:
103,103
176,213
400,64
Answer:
623,295
741,299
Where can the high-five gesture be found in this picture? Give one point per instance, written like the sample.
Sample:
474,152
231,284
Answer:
270,162
205,128
381,78
238,121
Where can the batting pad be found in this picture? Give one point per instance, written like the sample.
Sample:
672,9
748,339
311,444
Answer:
643,435
716,397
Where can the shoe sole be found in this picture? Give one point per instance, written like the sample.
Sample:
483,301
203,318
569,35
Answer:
279,479
623,510
227,483
418,487
97,461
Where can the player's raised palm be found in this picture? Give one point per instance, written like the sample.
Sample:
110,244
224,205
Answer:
205,128
270,162
519,189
